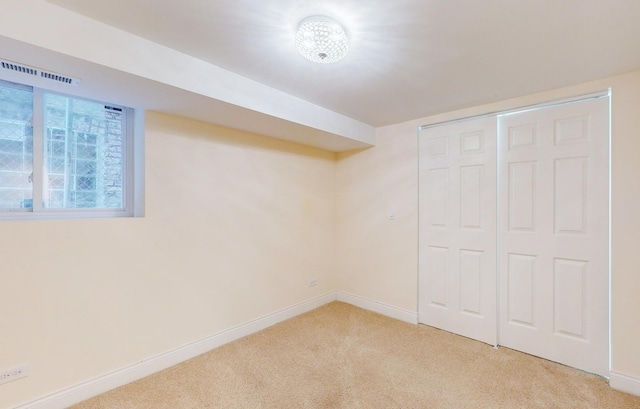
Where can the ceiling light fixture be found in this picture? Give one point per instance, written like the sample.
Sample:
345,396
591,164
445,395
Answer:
322,39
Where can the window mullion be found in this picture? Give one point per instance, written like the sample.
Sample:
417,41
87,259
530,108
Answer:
39,156
128,170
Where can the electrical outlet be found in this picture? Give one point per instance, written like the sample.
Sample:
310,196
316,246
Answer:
313,282
11,374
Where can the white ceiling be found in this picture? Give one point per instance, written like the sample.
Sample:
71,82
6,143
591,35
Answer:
408,58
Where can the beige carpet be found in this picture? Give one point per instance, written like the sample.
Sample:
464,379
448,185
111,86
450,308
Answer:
340,356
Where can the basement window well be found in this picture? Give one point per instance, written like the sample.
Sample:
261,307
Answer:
63,156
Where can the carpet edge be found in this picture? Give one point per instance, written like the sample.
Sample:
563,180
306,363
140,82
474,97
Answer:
97,386
378,307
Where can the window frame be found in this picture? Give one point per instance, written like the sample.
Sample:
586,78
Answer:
129,147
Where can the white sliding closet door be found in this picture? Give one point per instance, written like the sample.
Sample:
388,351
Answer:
525,265
553,235
457,243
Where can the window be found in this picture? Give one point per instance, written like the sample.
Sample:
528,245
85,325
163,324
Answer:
62,156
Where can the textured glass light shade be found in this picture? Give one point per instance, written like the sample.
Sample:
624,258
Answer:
321,39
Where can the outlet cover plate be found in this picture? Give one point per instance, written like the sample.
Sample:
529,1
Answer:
11,374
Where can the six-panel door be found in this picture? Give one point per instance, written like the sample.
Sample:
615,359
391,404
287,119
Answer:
458,228
553,234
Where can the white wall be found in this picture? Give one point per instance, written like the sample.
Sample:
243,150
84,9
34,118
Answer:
235,227
377,258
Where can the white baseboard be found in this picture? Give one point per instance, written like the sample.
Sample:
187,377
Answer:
380,308
86,390
624,383
95,387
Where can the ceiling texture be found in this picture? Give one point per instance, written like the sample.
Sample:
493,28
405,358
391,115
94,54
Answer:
233,62
408,58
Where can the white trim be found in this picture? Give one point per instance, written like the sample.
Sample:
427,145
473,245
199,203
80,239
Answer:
624,383
131,373
138,141
520,109
375,306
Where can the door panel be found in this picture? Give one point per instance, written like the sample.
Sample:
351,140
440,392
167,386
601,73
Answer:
458,228
520,278
553,235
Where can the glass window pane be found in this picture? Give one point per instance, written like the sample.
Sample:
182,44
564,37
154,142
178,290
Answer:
83,150
16,147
